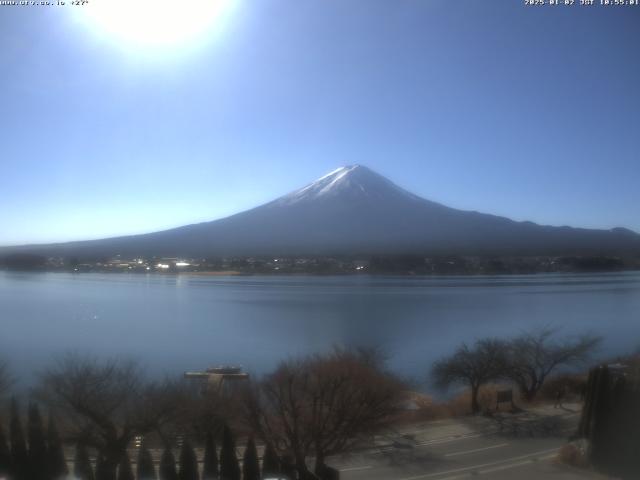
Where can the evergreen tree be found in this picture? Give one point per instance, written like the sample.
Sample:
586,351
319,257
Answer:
19,453
288,468
82,465
229,468
124,468
56,462
188,462
270,462
210,468
5,454
103,472
145,470
37,445
168,466
250,465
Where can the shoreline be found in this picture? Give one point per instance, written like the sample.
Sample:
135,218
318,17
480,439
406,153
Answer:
238,273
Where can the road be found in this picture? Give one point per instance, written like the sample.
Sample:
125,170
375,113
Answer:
506,446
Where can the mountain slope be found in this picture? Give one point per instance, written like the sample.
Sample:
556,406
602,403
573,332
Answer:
353,210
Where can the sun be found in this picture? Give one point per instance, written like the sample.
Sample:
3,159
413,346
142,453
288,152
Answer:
154,22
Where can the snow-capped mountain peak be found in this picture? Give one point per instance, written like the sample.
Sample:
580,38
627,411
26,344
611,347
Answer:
353,211
353,181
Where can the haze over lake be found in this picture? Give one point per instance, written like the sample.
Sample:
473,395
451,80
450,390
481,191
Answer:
176,323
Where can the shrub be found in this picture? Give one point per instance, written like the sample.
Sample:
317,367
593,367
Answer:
188,462
229,468
37,445
574,455
168,466
250,465
19,453
270,462
145,469
56,462
82,465
124,469
5,454
210,464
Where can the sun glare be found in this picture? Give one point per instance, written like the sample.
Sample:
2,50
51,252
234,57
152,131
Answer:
154,22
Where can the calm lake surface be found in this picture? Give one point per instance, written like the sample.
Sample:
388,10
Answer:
177,323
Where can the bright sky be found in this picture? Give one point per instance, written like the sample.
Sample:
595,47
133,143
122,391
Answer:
117,122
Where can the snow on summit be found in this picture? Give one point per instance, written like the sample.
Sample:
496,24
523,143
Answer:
351,181
354,211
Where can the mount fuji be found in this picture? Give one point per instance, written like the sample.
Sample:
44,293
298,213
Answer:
352,211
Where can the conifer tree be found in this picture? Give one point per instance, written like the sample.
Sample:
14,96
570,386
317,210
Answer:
37,445
188,462
103,472
288,468
145,470
229,468
5,454
125,471
19,453
82,465
168,466
210,469
270,462
250,465
56,462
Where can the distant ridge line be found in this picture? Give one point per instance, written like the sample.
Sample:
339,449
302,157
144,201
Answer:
353,210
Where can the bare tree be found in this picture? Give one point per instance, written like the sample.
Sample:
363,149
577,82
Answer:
323,405
472,366
107,403
534,355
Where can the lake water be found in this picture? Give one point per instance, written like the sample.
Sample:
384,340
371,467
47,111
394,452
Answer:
177,323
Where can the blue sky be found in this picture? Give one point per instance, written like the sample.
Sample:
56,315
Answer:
528,112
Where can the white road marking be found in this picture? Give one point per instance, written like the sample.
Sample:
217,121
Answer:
440,441
513,465
464,452
476,467
353,469
437,441
501,467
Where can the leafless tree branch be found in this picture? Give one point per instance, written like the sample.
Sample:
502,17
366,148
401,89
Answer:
323,405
